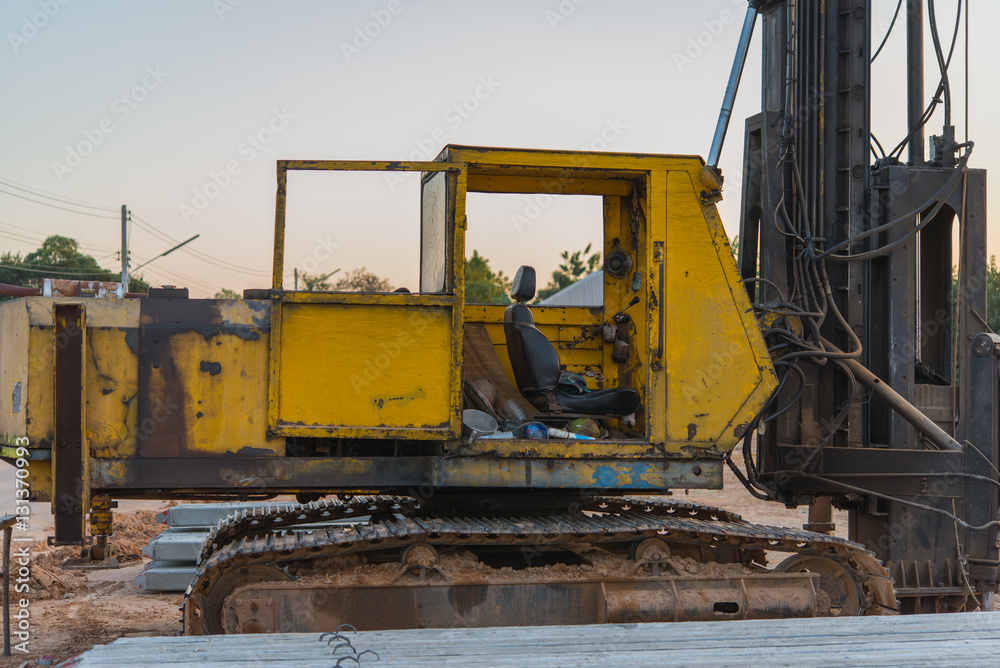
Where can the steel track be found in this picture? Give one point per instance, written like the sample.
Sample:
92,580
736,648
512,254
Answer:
257,539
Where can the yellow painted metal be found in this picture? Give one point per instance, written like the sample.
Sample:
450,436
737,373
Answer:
359,366
356,368
416,393
284,166
14,369
697,358
206,414
208,409
563,185
718,373
370,299
112,379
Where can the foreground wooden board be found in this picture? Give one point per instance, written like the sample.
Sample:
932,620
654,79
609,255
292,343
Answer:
915,640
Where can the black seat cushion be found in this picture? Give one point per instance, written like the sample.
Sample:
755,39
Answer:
536,367
616,401
532,358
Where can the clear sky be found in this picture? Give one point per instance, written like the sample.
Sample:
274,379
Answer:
179,109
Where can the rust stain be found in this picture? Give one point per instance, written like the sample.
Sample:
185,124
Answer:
692,431
211,368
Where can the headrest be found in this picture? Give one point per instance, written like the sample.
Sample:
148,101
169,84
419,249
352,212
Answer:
522,288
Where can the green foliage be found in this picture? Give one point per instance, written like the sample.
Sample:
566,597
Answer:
59,257
573,267
226,293
361,280
993,295
314,282
482,284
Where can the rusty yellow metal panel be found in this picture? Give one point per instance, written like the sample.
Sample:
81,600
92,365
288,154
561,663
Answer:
39,390
366,369
24,380
717,371
311,415
284,166
534,184
557,164
112,377
657,207
13,369
202,366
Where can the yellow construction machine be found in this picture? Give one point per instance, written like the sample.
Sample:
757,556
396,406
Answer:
550,504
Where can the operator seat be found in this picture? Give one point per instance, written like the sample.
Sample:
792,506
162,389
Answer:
535,363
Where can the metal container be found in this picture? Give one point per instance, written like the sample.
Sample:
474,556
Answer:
476,423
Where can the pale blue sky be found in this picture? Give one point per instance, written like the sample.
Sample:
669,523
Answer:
241,84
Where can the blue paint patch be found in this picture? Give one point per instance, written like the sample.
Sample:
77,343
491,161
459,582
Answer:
605,476
636,473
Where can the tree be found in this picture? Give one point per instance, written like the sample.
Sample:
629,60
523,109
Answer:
315,282
362,280
59,257
482,284
226,293
992,296
574,267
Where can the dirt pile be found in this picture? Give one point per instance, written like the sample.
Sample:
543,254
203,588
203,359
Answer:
49,580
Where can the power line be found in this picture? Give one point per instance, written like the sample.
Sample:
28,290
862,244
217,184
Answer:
18,238
55,206
26,237
89,272
60,266
221,264
167,277
41,193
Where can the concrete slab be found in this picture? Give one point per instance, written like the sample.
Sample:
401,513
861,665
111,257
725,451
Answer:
916,640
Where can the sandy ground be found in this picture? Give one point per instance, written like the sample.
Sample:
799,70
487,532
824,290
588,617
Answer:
73,610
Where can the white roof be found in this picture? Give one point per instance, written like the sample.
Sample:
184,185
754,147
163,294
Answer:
588,291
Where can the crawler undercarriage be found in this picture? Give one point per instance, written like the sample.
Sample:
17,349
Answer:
387,562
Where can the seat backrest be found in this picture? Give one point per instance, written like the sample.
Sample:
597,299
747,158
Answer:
533,359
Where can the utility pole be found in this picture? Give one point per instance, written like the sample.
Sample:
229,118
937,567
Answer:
296,278
124,249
